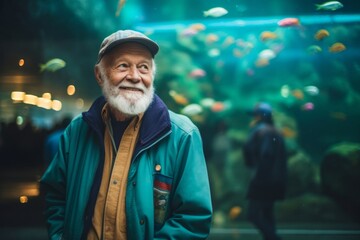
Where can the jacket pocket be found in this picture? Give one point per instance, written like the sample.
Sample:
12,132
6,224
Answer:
162,188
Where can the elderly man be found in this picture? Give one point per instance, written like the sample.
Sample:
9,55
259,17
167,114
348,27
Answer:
128,168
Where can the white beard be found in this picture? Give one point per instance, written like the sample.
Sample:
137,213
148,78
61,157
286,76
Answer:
129,103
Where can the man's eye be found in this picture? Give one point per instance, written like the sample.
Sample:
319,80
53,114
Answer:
122,66
144,67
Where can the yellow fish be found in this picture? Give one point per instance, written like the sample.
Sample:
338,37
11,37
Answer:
53,65
178,98
298,94
119,7
267,35
287,132
321,34
197,26
337,47
235,212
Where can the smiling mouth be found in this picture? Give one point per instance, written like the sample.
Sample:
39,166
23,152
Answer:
131,89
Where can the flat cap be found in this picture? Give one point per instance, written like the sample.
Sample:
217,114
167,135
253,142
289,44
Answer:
123,36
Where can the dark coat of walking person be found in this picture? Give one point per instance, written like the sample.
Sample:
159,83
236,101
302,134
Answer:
128,168
265,154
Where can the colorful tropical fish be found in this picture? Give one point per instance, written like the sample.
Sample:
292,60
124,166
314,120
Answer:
288,22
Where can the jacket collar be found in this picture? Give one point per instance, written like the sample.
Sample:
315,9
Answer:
155,123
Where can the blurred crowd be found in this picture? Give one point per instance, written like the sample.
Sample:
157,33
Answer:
23,145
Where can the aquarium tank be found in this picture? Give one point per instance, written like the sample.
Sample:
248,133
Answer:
217,60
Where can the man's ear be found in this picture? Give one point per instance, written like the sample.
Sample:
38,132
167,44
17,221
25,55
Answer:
98,75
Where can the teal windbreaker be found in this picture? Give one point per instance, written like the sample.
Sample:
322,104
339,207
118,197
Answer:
72,180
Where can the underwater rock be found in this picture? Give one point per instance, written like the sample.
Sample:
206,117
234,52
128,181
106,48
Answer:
317,207
340,176
302,175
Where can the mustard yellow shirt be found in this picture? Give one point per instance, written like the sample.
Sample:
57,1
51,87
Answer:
109,220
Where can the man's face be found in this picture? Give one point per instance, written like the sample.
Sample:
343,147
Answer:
126,78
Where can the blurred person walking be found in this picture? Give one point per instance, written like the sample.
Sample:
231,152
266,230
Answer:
51,145
128,168
265,154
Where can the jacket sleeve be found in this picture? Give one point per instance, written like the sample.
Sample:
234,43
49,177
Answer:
191,208
54,184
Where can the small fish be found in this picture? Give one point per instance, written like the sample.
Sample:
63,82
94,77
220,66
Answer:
311,90
262,62
288,132
197,73
314,49
229,40
321,34
235,212
211,38
218,107
331,5
237,53
188,32
285,91
121,3
289,22
307,106
267,54
267,35
192,109
215,12
53,65
178,98
337,47
298,94
213,52
197,26
207,102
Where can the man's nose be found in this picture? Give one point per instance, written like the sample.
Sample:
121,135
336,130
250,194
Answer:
133,74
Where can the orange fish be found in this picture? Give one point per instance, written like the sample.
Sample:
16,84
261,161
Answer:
321,34
237,53
267,35
262,62
288,132
337,47
298,94
217,107
289,22
235,212
197,26
178,98
211,38
228,41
